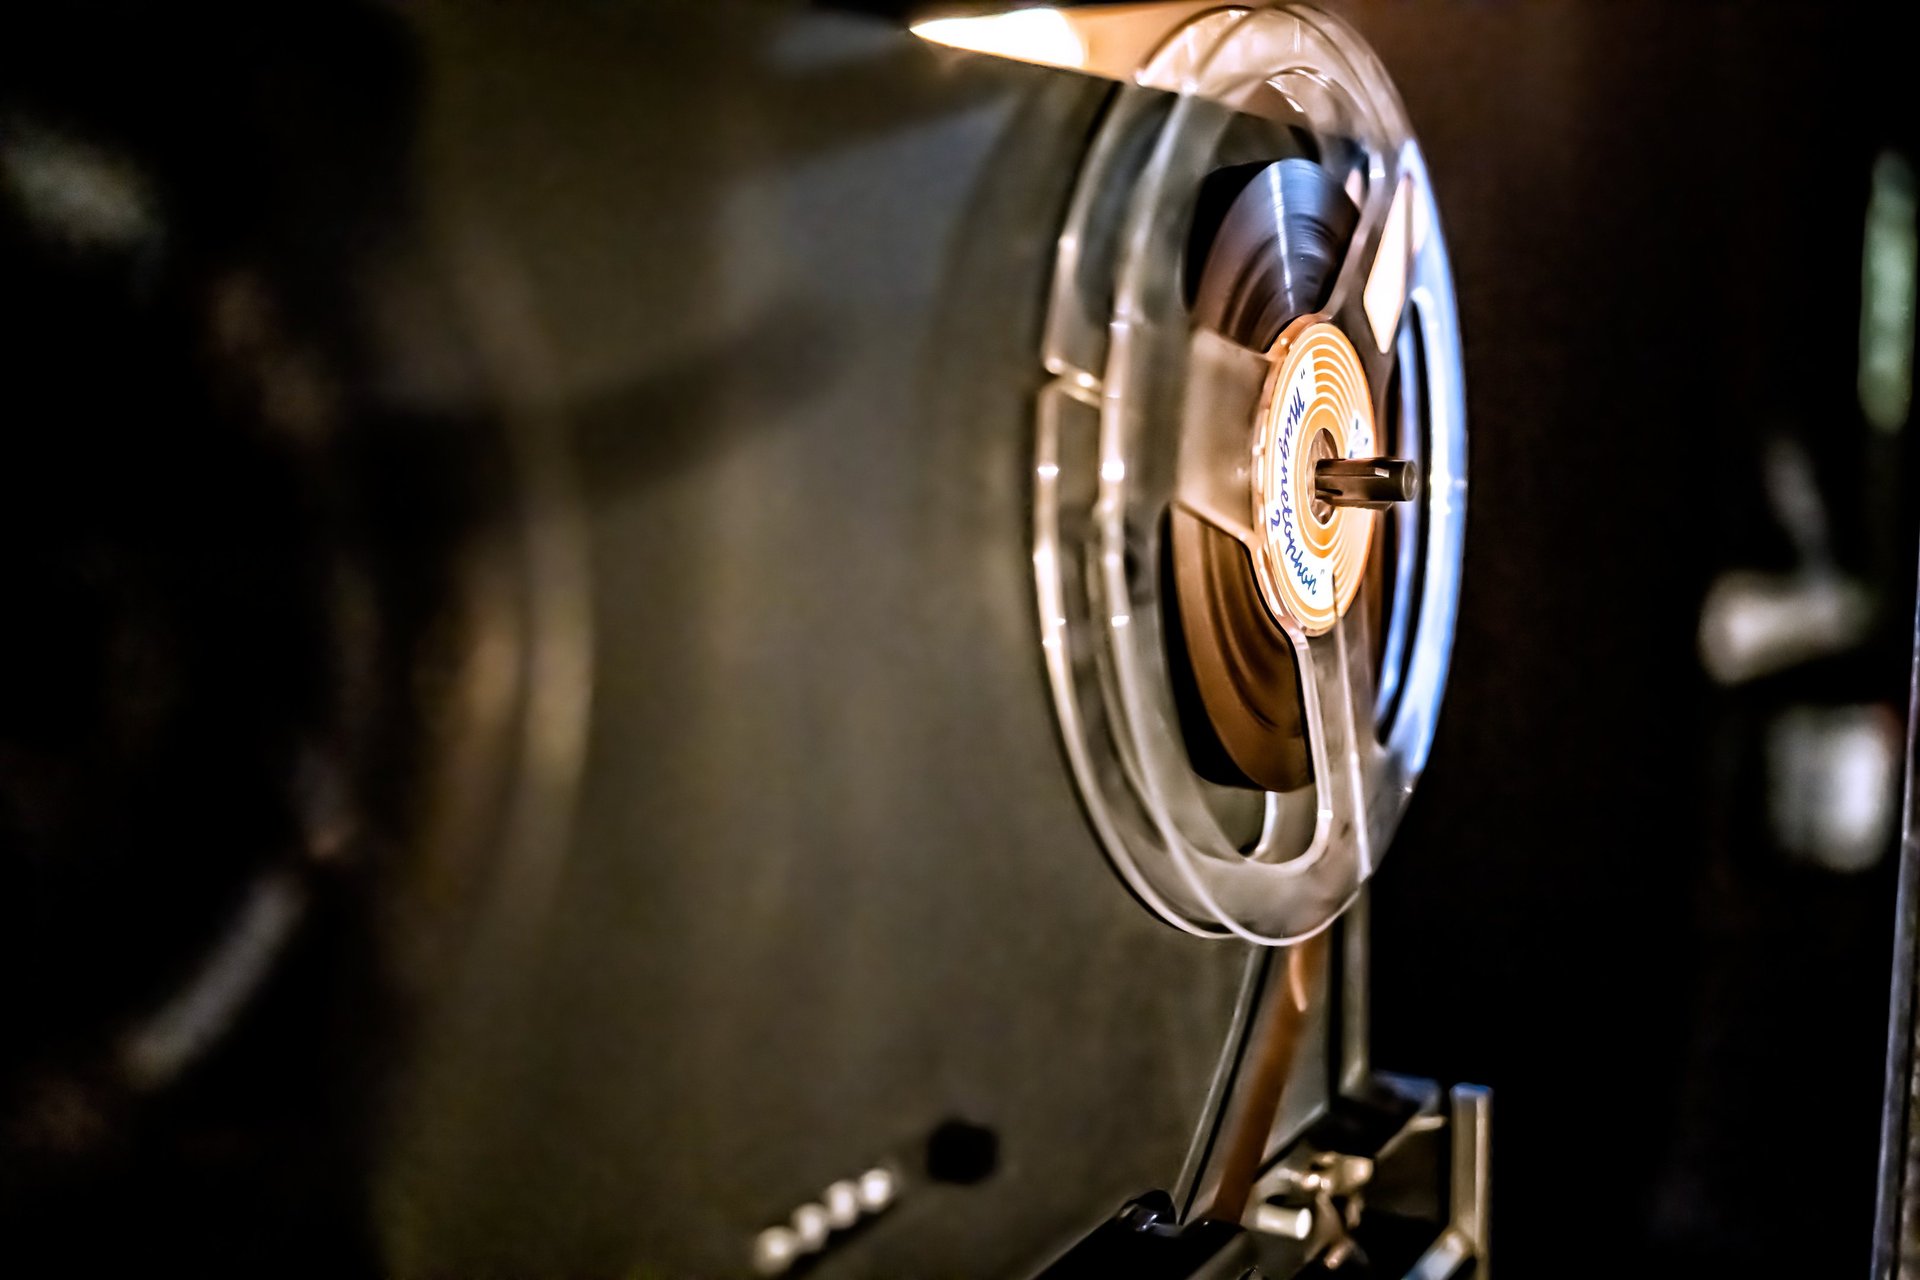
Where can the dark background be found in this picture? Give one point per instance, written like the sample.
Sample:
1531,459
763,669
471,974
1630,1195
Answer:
1655,216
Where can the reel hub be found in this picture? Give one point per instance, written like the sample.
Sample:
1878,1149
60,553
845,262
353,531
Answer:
1317,410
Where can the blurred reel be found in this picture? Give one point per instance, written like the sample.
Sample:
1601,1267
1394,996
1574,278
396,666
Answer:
1251,474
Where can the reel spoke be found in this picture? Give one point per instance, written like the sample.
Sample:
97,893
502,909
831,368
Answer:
1215,473
1370,294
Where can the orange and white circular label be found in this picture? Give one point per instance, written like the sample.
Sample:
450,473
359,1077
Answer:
1317,407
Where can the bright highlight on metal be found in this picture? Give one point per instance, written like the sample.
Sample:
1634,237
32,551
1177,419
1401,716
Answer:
1151,44
1029,35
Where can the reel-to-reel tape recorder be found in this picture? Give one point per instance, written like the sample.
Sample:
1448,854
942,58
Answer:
866,613
1250,496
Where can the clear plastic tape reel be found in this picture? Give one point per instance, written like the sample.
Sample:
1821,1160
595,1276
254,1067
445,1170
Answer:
1136,382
